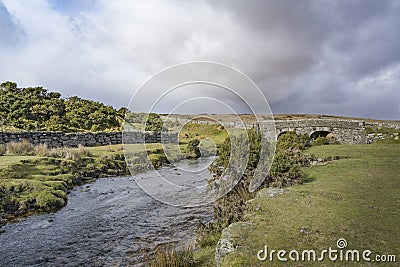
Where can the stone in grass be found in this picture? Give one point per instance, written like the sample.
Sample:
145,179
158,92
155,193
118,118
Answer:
270,192
230,240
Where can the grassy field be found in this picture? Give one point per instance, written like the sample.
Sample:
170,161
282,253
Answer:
356,198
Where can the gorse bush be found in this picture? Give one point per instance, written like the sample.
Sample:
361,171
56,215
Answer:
34,108
154,123
292,140
285,171
320,141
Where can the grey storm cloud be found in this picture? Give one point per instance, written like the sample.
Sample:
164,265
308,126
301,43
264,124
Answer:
328,57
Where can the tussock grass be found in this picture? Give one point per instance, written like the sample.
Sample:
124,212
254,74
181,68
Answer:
26,148
169,256
41,150
75,154
3,149
20,148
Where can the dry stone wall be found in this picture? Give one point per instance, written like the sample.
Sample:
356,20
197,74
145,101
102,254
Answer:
345,131
61,139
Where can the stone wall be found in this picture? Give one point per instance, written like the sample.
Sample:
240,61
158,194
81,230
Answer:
345,131
61,139
373,137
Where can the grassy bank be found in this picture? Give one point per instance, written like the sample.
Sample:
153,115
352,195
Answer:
39,180
356,198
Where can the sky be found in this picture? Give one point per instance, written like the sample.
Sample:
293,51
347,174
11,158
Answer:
321,57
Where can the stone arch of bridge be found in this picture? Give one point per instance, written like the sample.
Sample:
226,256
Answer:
321,133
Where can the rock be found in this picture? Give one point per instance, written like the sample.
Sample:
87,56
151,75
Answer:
303,230
230,239
270,192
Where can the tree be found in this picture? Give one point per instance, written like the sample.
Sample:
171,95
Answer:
34,108
154,123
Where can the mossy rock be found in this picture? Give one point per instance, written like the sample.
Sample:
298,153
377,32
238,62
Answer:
230,241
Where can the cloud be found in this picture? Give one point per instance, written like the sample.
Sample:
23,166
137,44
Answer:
331,57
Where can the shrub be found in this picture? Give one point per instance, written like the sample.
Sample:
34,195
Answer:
154,123
194,149
20,148
293,140
320,141
285,171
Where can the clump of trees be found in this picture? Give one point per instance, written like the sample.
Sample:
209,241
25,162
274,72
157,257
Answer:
34,108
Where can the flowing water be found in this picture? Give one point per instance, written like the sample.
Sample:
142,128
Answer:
107,223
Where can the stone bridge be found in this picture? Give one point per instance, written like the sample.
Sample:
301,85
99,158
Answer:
345,131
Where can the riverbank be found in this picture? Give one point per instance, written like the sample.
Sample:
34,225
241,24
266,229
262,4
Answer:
110,222
41,182
355,198
37,178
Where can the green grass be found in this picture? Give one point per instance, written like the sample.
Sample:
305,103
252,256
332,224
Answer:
6,161
202,131
356,198
388,141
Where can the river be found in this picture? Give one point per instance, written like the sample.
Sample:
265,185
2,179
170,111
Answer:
106,223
